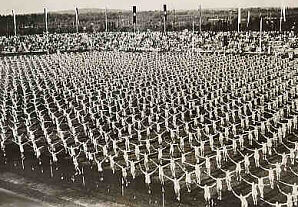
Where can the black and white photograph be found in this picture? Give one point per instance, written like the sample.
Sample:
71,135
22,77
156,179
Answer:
148,103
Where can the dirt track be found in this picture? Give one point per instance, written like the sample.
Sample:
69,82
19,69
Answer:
8,198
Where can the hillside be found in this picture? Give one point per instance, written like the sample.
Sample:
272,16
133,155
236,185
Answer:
93,20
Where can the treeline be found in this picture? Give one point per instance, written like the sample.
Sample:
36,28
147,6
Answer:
94,21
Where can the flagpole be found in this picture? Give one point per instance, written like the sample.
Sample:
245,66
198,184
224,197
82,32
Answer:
239,19
164,24
200,18
77,19
164,18
193,25
106,19
280,23
14,23
134,10
261,28
46,19
174,22
46,24
248,18
284,13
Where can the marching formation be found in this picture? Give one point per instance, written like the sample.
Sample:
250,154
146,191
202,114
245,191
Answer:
186,120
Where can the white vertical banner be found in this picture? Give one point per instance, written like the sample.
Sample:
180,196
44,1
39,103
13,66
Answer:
14,23
284,13
261,30
261,25
280,23
239,19
280,19
248,18
200,18
106,19
46,19
77,19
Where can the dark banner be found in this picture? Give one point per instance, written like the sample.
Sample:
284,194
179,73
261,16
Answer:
165,11
134,11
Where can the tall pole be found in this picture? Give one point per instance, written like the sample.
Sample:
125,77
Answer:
193,25
280,19
134,18
174,22
46,20
193,32
7,31
230,20
14,23
106,19
239,19
200,21
248,18
164,25
77,19
280,23
165,18
261,29
118,21
284,13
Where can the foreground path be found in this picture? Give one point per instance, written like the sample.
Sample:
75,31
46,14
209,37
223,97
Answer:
19,191
8,198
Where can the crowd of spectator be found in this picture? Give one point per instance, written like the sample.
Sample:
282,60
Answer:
231,42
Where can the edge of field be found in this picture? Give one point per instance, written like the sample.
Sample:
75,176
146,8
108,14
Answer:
46,195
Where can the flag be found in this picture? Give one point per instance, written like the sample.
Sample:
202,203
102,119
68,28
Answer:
239,15
248,17
261,25
134,11
77,18
14,23
106,19
239,18
280,23
165,11
200,17
261,29
284,13
46,19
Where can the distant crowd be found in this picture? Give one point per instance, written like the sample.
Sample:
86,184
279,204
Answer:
230,42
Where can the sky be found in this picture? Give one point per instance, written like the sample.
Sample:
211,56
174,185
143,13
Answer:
36,6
